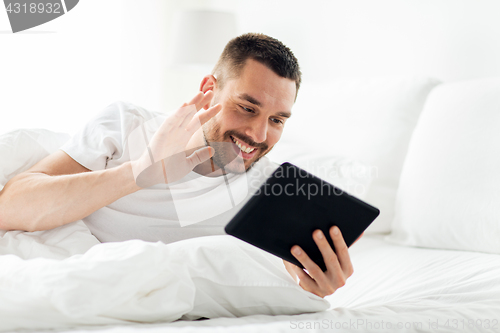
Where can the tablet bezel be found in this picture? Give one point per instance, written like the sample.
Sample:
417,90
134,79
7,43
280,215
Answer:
276,235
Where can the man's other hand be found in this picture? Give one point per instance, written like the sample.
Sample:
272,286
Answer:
338,264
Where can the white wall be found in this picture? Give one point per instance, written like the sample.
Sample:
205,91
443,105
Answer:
54,75
57,75
447,39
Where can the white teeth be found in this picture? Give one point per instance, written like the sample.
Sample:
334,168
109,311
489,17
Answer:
243,147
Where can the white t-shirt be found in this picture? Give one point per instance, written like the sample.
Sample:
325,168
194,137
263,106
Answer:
203,205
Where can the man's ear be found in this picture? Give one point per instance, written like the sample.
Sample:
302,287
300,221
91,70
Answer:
209,82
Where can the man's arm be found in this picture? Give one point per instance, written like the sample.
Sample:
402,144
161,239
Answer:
58,190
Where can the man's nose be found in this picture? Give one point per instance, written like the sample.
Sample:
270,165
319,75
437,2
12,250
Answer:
257,130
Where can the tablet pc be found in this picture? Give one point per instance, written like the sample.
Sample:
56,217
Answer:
290,205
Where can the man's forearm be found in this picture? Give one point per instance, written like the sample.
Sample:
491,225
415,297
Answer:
36,201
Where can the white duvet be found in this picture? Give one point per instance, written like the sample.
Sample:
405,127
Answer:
47,283
393,288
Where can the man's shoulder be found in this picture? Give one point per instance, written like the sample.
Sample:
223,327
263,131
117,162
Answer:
124,116
124,108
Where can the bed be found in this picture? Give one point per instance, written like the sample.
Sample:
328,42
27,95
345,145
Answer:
394,288
430,263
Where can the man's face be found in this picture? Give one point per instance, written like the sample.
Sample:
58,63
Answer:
255,107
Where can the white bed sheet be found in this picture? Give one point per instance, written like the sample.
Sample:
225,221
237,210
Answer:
414,288
393,289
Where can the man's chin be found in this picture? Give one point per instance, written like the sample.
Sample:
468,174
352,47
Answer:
239,165
230,159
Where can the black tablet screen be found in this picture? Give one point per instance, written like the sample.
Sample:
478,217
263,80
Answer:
290,205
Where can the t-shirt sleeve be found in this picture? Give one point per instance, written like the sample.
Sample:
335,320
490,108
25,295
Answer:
100,140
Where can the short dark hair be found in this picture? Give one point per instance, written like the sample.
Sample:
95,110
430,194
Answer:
267,50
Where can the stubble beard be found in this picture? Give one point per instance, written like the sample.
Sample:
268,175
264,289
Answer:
224,156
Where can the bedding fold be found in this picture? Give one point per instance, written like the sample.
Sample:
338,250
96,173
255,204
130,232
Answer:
137,281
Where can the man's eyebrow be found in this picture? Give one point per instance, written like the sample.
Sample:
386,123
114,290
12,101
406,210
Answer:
285,114
250,99
247,97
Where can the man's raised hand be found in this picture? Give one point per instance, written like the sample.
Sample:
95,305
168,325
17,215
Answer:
163,158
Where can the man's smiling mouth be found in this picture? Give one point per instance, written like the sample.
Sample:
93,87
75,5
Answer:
242,146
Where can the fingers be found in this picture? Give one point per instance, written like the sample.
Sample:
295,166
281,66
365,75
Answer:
180,118
206,100
306,282
196,99
190,117
198,102
205,115
329,256
199,156
341,251
290,270
338,264
202,117
314,270
201,99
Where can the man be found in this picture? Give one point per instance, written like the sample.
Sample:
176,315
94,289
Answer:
243,105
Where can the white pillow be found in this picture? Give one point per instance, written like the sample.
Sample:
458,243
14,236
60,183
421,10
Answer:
23,148
58,243
367,120
353,177
233,278
449,195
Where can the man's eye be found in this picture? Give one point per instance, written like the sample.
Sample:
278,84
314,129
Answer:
276,121
246,109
